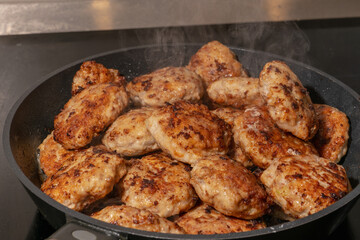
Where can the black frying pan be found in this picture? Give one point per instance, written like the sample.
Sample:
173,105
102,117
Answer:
31,119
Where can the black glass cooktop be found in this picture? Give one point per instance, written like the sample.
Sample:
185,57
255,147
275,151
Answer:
329,45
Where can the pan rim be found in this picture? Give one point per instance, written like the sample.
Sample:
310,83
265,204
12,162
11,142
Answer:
352,196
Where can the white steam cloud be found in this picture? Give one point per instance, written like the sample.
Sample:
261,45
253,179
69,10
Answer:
282,38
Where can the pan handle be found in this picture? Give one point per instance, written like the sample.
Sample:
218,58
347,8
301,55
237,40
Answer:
76,231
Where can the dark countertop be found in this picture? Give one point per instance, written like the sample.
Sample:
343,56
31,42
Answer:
329,45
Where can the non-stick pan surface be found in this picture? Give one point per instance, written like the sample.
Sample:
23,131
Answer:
31,120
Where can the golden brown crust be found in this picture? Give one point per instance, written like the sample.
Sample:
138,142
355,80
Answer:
229,187
206,220
237,92
288,101
91,73
131,217
88,177
262,141
333,134
129,136
189,131
166,85
304,185
228,114
214,60
159,184
236,153
52,155
88,113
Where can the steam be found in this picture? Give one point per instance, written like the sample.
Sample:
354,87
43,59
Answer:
285,39
282,38
165,55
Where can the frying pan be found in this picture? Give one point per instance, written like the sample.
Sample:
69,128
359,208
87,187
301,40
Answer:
31,119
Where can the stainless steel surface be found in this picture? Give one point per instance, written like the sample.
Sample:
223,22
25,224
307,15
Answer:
48,16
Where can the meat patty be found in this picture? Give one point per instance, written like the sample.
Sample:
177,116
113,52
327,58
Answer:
229,187
159,184
86,178
131,217
52,155
237,92
304,185
166,85
91,73
263,142
189,132
288,101
206,220
129,136
88,113
213,61
333,134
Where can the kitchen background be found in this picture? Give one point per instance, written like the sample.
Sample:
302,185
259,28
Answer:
38,37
